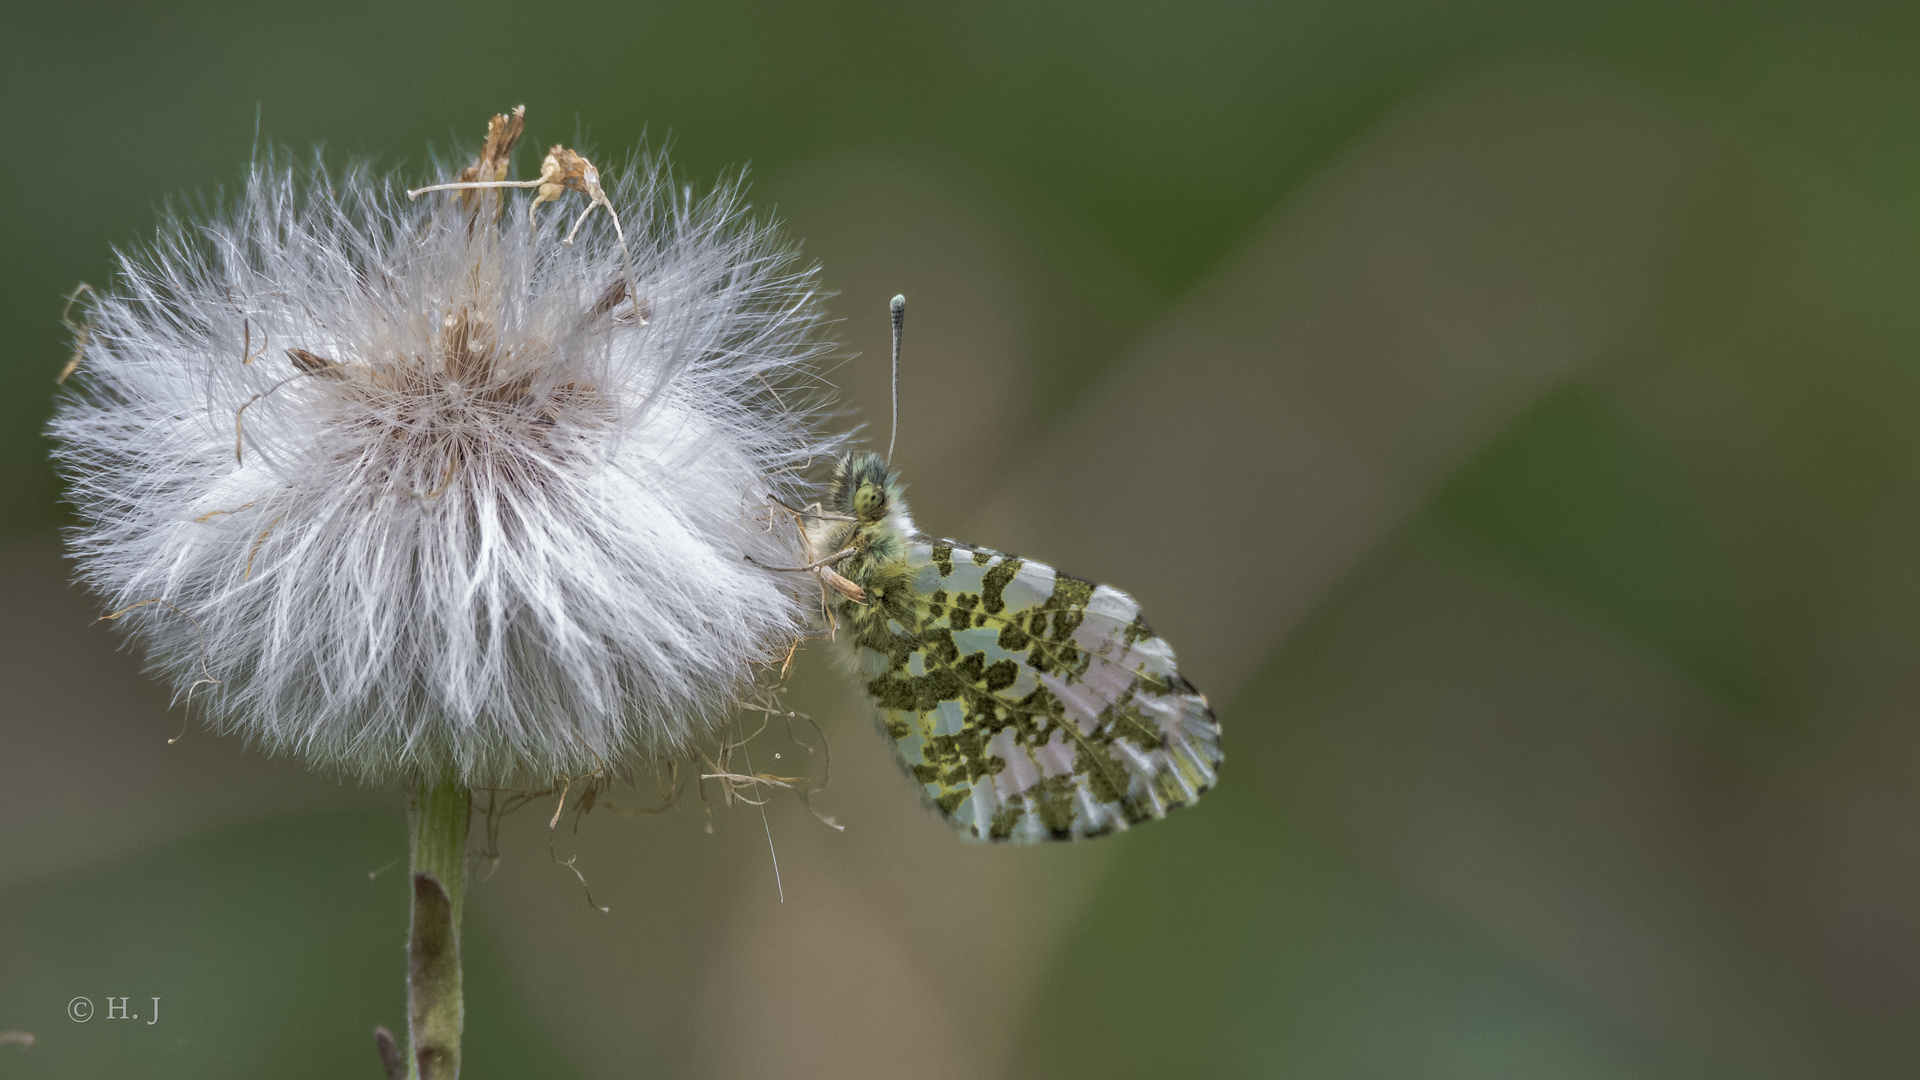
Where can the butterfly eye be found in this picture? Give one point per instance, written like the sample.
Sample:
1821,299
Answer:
869,502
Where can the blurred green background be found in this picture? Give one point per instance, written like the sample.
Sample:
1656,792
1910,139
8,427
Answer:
1507,410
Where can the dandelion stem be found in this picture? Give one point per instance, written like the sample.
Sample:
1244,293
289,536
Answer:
436,1010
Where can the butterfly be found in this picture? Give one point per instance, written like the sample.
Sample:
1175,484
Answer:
1030,705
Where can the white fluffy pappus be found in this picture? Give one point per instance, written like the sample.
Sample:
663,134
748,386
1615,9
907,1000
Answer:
488,513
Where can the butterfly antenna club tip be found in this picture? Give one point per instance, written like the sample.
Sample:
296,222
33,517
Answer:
898,306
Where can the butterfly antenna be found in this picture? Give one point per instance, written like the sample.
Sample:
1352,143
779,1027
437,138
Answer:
899,308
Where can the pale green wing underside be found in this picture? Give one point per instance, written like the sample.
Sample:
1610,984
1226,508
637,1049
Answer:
1035,706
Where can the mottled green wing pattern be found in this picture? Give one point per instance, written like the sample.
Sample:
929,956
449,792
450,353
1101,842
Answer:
1035,706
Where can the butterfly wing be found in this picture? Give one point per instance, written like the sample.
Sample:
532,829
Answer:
1032,705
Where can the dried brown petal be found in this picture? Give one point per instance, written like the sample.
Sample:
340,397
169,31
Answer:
496,154
564,171
314,364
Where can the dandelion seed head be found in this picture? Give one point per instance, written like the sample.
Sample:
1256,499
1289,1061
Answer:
429,491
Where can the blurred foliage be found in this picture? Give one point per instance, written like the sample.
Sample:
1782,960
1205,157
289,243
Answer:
1238,946
1575,495
263,943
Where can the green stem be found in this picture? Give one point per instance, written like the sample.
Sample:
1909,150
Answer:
436,1010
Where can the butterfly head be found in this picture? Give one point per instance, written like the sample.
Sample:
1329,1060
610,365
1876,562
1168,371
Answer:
864,487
